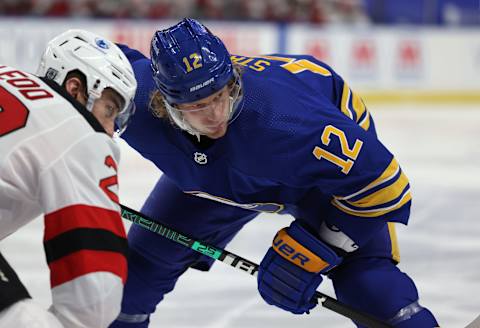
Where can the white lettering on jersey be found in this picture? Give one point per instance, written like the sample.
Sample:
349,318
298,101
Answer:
25,84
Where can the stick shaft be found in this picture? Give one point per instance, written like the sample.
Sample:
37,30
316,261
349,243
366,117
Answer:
240,263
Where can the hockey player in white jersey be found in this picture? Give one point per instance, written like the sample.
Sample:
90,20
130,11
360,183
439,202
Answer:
58,159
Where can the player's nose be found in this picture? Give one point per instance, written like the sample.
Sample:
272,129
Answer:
217,111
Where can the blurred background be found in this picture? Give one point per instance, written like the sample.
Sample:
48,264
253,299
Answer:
415,62
425,50
433,12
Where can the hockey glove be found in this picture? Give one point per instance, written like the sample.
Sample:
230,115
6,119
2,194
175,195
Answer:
290,272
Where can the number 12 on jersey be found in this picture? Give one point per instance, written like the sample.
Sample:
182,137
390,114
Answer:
350,152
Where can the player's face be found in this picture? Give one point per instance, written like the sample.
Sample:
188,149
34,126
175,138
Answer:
209,115
106,109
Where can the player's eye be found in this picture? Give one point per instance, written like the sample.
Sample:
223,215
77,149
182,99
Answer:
111,111
198,106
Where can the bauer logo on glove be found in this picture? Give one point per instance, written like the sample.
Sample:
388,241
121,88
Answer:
292,269
294,252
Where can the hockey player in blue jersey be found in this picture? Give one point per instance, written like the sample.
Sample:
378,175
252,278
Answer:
236,136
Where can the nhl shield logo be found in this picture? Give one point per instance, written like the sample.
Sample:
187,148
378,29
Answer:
200,158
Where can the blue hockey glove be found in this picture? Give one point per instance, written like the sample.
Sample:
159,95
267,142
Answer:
290,272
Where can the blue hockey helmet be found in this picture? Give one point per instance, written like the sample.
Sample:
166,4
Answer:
189,62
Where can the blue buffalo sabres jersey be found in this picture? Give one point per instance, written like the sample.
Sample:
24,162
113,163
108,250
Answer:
301,143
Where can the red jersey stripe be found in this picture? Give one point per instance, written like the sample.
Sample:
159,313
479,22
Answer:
87,261
82,216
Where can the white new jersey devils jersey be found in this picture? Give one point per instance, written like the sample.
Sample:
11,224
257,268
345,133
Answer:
56,161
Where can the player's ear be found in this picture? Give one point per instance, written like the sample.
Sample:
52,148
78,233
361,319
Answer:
75,87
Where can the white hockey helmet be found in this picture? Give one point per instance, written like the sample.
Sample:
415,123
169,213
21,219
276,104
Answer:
101,61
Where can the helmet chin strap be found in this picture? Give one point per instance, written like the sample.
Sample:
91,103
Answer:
180,121
92,96
236,99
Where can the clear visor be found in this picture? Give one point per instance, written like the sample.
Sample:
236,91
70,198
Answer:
218,109
215,110
125,108
123,117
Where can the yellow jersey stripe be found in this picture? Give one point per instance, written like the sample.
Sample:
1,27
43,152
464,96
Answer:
384,195
346,93
365,123
373,212
394,242
282,59
389,173
358,105
236,59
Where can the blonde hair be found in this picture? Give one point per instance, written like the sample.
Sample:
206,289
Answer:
157,104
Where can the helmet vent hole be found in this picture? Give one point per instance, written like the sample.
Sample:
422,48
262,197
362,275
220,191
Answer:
116,75
81,39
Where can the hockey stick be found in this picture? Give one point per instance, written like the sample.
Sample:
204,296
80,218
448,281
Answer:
475,323
241,263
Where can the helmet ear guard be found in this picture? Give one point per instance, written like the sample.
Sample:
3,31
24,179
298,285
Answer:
101,62
189,63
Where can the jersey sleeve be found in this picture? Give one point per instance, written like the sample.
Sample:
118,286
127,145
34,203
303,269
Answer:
364,182
84,238
332,152
334,149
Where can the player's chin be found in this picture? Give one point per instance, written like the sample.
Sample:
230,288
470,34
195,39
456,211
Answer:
217,132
